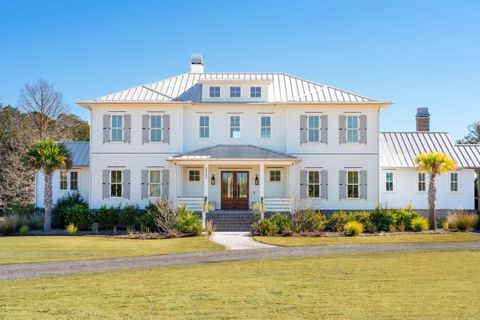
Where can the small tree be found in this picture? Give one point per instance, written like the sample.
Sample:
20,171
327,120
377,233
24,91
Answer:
434,163
47,155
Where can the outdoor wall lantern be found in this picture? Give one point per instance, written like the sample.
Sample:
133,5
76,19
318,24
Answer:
256,180
212,181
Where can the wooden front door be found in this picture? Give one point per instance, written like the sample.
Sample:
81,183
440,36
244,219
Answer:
234,190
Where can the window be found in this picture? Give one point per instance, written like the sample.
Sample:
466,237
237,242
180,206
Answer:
214,92
313,184
154,183
156,128
204,127
116,183
117,128
275,175
63,180
73,180
454,182
353,184
266,128
313,129
235,127
255,92
235,92
389,181
352,129
422,186
194,175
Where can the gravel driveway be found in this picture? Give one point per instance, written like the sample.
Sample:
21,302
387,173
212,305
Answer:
33,270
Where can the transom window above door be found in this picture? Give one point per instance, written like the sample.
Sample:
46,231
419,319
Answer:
235,92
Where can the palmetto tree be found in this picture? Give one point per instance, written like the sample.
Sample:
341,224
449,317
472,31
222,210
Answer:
47,155
434,163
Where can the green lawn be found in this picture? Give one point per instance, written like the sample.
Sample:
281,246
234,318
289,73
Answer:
43,248
407,238
413,285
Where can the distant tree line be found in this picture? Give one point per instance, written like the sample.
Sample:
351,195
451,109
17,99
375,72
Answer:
41,113
473,135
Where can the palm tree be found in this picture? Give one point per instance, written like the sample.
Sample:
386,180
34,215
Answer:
434,163
47,155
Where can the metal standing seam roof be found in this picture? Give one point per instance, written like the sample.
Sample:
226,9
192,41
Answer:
233,152
188,87
399,149
80,152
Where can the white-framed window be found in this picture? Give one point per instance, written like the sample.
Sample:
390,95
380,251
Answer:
313,128
389,186
454,181
255,92
422,182
266,127
204,128
353,130
116,180
275,175
117,128
63,180
314,184
235,92
353,184
155,179
155,128
73,180
194,175
235,127
214,92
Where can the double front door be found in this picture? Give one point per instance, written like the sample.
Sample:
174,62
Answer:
234,190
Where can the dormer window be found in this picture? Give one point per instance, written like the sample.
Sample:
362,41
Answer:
255,92
234,92
214,92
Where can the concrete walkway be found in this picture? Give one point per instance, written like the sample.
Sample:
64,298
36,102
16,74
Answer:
238,241
34,270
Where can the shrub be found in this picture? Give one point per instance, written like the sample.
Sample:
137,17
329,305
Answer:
258,210
188,222
22,211
107,218
381,219
445,226
146,221
24,229
339,219
352,228
264,227
310,221
282,222
10,224
210,227
128,216
71,229
419,224
461,220
58,211
94,227
364,218
403,218
165,217
78,215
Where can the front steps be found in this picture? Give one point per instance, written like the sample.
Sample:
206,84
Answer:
231,221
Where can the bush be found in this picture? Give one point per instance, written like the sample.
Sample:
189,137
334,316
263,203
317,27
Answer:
22,211
338,220
24,229
382,219
282,222
58,211
128,216
352,228
12,223
462,221
146,221
78,215
310,221
419,224
364,218
258,209
107,218
188,222
71,229
264,227
165,217
210,227
403,218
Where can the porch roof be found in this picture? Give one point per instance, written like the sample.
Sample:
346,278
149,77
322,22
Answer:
233,152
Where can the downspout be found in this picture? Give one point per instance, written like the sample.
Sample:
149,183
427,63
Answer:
378,158
90,182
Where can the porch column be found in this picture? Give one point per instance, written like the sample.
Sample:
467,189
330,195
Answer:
478,189
262,182
205,195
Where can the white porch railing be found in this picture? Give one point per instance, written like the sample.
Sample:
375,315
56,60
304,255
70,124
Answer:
193,204
277,204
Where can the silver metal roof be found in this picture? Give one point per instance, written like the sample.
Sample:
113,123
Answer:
233,152
187,87
399,149
80,152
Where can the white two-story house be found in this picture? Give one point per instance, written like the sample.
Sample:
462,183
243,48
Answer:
239,138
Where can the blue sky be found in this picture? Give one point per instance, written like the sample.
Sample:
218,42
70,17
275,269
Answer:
414,53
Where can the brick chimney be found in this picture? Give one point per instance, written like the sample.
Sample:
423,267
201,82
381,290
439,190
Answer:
423,119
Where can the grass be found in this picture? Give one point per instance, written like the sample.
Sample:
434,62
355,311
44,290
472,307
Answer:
57,248
409,285
404,238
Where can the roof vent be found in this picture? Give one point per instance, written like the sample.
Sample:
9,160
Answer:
423,119
196,63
